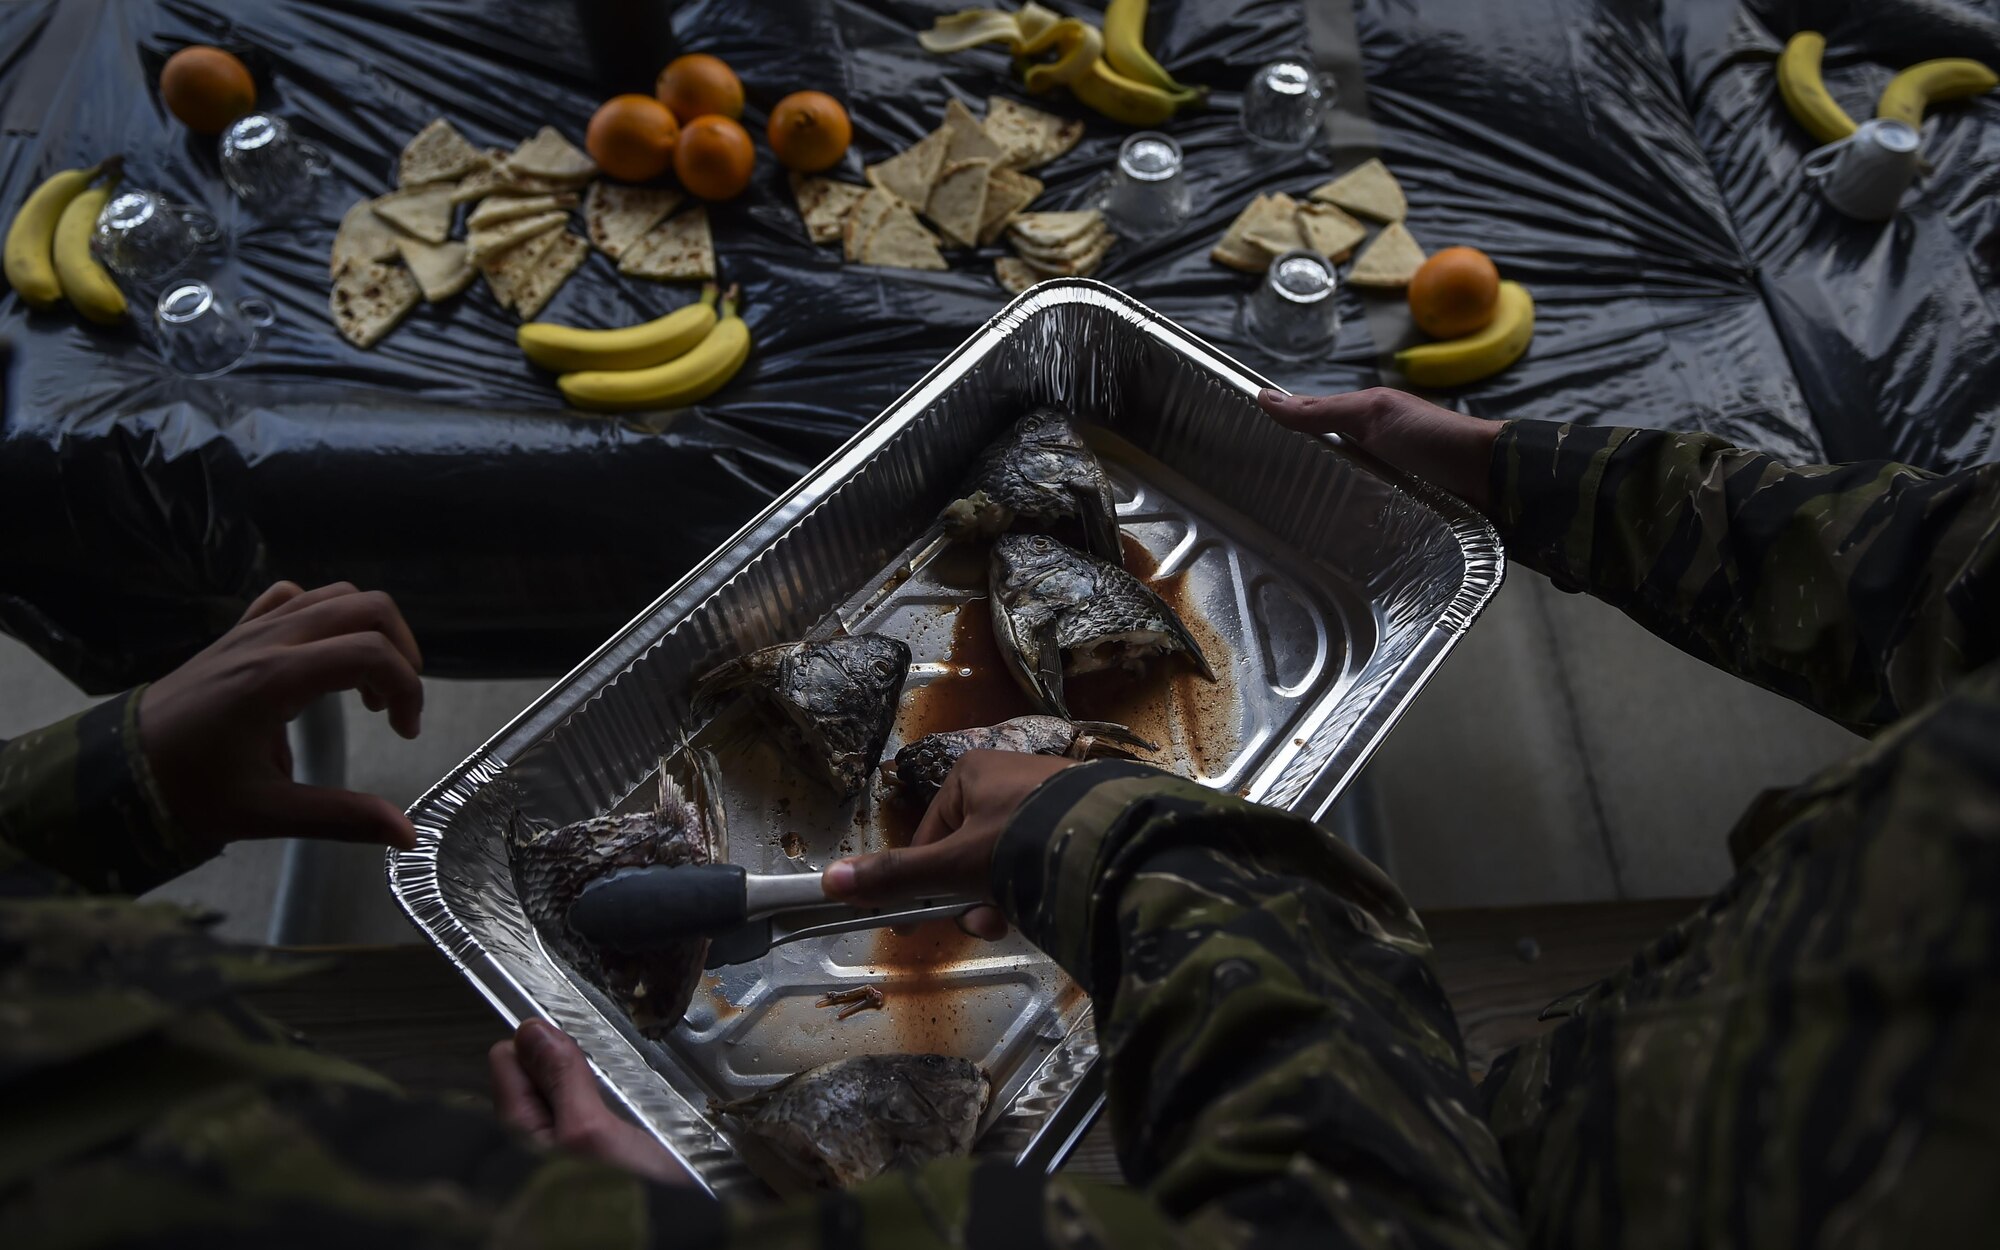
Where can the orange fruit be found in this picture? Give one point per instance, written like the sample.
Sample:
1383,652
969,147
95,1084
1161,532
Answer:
809,131
714,158
700,85
632,137
206,88
1455,293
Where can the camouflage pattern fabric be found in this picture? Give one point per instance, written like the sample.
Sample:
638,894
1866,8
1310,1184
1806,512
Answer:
1805,1061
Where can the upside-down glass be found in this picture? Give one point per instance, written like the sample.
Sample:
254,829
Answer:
202,335
267,165
1296,312
142,237
1284,101
1148,193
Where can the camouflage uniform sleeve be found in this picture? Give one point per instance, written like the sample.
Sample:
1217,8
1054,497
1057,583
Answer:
77,799
1861,590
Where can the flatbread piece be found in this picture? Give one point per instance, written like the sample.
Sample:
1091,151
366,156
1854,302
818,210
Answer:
368,299
910,174
489,177
1069,251
1390,261
1054,229
442,270
1329,231
507,273
862,219
682,248
1081,266
1369,189
1236,250
1276,229
824,204
549,155
901,242
437,154
1030,136
616,216
1014,274
496,209
1008,191
958,201
425,212
362,237
551,269
496,239
968,140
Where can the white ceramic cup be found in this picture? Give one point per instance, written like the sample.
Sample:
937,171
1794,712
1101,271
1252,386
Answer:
1866,174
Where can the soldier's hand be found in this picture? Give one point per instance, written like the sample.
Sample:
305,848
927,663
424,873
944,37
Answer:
952,850
213,730
1446,448
543,1086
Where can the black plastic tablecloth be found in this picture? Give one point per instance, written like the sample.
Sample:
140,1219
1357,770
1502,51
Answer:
1629,161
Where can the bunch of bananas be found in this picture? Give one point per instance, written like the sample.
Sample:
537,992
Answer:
1905,99
1455,362
1109,69
48,256
669,362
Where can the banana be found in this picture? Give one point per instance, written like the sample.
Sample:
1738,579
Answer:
1077,43
1804,91
30,248
1125,46
1454,362
955,32
1133,103
1932,82
85,283
565,349
677,383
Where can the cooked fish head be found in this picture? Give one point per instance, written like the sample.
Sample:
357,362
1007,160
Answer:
835,699
1040,471
921,766
854,1119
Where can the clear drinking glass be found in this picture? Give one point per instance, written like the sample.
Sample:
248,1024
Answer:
1284,101
1296,312
267,165
202,335
1148,193
142,237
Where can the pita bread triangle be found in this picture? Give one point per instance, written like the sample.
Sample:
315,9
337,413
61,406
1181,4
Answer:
1236,250
496,209
824,204
1054,229
862,219
682,248
1008,191
425,212
1014,274
968,140
551,269
437,153
909,174
1390,261
1069,251
901,242
958,201
362,236
549,155
507,272
1369,189
1030,136
617,216
1276,227
496,239
1329,231
1082,265
368,299
442,270
488,178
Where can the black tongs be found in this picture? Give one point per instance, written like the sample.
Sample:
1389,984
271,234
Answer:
744,914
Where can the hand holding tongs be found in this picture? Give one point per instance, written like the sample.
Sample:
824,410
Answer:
744,914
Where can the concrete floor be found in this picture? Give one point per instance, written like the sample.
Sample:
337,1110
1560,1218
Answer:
1562,754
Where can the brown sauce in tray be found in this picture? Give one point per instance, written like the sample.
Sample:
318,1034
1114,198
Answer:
923,1004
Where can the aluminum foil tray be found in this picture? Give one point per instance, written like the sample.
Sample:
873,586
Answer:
1324,588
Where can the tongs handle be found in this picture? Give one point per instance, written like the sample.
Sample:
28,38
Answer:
642,909
754,939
